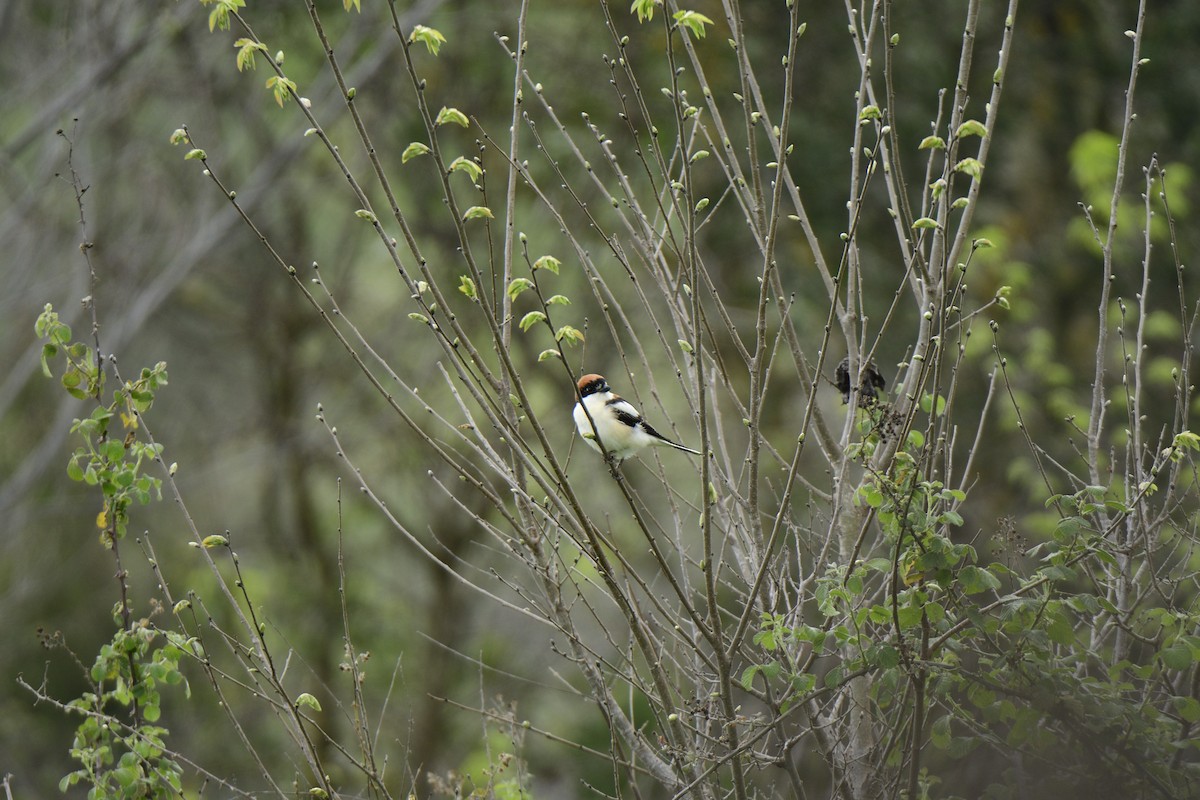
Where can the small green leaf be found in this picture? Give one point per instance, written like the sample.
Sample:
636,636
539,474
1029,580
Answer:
951,518
644,9
699,155
430,37
282,88
925,223
306,700
216,540
1188,708
558,300
478,212
975,580
1178,656
694,21
568,334
548,354
971,127
549,263
932,142
246,50
466,285
517,286
418,317
412,151
461,164
366,214
452,115
195,155
870,112
970,166
747,679
531,319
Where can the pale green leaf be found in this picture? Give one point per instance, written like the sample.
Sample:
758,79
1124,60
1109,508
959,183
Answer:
461,164
517,286
971,127
452,115
478,212
548,263
430,37
694,21
531,319
306,700
413,150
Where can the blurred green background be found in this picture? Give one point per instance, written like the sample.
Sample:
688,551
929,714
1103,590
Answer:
182,280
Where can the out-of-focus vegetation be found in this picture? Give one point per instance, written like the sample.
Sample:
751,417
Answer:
98,88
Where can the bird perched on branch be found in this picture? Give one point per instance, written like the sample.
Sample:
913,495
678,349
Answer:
619,426
872,382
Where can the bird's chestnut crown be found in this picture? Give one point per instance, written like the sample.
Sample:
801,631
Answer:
591,383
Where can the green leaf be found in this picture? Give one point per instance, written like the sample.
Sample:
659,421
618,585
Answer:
694,21
549,263
970,166
246,50
932,143
478,212
698,156
1178,656
413,150
219,16
644,9
306,700
558,300
951,518
531,319
452,115
870,112
568,334
282,88
548,354
430,37
925,223
976,579
216,540
466,285
195,155
1188,708
348,4
971,127
517,286
939,733
461,164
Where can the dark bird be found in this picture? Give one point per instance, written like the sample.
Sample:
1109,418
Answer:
868,391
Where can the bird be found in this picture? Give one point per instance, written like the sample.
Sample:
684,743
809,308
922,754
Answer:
619,426
872,381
